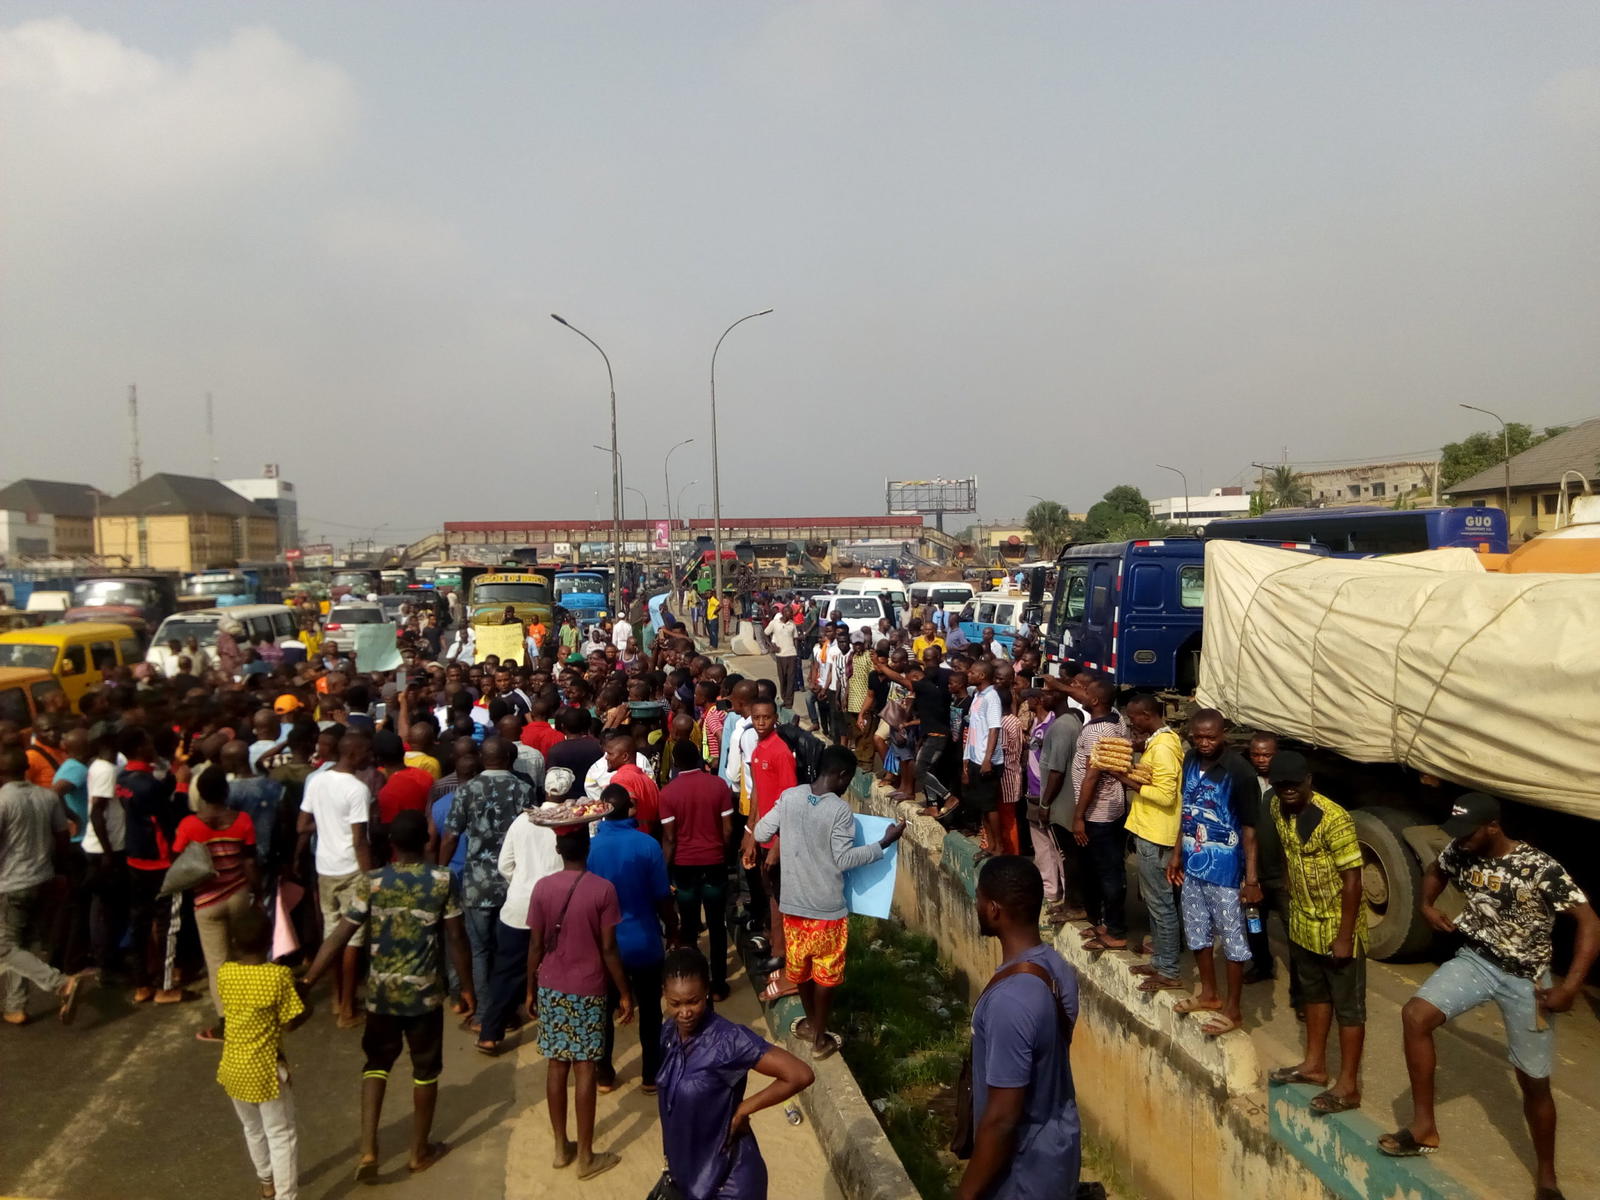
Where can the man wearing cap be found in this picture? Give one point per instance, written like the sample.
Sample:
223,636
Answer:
1327,929
1513,893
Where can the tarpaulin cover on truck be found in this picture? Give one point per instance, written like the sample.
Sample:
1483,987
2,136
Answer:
1425,659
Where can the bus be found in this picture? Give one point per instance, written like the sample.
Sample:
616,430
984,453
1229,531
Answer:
1363,530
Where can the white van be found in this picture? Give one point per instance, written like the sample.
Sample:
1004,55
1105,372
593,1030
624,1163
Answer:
275,622
951,595
857,611
892,591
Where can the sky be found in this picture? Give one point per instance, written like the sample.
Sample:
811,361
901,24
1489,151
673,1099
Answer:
1046,245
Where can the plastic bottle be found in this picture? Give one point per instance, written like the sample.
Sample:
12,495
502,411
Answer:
1252,918
791,1110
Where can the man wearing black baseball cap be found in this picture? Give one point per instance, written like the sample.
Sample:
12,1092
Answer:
1327,929
1513,893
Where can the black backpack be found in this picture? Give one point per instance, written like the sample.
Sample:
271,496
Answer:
807,749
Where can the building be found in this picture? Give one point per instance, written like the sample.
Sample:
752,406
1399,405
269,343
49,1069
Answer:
1536,480
1198,509
277,496
185,523
1369,483
41,518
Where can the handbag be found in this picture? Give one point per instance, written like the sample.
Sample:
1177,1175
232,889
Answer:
961,1137
665,1189
193,866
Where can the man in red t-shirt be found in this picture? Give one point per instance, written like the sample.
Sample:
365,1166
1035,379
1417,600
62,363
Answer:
539,732
772,773
624,770
404,788
697,810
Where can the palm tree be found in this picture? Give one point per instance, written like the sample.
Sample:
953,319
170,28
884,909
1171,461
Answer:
1049,525
1287,488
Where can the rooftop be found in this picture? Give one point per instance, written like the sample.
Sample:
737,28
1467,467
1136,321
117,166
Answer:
1578,449
166,495
50,496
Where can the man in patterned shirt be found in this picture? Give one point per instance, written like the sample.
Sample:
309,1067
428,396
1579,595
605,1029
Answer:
1513,893
402,906
1327,929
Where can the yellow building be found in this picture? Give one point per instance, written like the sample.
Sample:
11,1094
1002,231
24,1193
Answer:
1536,480
184,523
43,518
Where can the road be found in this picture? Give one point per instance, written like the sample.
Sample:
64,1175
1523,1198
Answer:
124,1106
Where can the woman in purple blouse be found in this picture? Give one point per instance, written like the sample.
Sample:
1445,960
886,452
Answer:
705,1115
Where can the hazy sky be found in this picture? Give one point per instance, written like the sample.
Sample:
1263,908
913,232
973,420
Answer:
1050,245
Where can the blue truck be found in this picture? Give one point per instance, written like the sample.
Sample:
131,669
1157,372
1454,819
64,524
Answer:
583,594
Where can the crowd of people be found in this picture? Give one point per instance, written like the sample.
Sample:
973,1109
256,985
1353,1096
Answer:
229,810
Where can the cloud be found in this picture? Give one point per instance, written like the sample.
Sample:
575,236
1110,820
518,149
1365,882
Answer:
1572,99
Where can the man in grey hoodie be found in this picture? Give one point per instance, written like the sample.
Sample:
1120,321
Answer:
818,847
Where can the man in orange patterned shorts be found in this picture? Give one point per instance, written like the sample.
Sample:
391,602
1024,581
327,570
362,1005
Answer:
818,831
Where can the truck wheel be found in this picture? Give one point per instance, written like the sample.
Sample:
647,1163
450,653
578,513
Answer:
1391,881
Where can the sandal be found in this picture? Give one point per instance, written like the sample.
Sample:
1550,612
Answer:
1326,1104
208,1035
490,1049
598,1164
1161,983
1097,945
1219,1025
1192,1004
1402,1144
1282,1075
434,1152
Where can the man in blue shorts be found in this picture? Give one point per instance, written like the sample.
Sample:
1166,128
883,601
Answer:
1513,894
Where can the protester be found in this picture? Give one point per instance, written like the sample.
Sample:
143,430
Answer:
697,811
818,847
983,759
1274,879
1051,745
1327,929
152,807
337,811
771,771
633,863
259,1005
781,634
1026,1135
1214,863
572,954
1097,823
1513,893
710,1149
403,906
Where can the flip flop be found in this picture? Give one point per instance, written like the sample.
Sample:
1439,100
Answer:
1142,969
834,1044
598,1165
1192,1005
1326,1104
1219,1025
71,995
1293,1075
777,989
1160,983
490,1049
1097,945
207,1035
367,1172
794,1027
565,1156
1402,1144
435,1151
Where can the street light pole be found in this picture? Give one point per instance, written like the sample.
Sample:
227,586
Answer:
679,504
1505,441
666,476
716,472
616,466
1187,523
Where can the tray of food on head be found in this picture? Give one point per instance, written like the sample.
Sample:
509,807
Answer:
581,811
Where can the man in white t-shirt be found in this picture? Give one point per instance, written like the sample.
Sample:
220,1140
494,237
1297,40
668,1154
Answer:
337,808
104,842
781,632
621,632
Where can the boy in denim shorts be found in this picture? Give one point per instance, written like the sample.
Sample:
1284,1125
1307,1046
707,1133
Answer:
1513,894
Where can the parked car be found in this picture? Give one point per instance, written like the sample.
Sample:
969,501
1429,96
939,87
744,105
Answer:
74,652
344,615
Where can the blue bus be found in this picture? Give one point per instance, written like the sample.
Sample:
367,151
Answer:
1362,530
1132,611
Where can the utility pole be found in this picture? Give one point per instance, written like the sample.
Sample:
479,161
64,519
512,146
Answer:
211,437
135,463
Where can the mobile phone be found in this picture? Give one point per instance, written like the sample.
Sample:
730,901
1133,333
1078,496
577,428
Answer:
1038,681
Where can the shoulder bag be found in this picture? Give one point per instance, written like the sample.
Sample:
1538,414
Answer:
961,1138
665,1189
192,867
555,934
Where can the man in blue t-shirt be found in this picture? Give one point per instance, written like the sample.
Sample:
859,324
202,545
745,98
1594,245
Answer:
1214,862
1026,1134
632,862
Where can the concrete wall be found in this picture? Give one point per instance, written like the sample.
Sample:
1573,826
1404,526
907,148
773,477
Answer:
1179,1115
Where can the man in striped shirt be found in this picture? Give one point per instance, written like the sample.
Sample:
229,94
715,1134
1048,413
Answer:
1327,929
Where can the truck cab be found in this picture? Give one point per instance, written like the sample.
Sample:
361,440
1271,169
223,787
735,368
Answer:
583,594
219,589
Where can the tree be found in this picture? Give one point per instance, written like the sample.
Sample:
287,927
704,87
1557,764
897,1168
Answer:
1480,451
1050,526
1286,488
1123,507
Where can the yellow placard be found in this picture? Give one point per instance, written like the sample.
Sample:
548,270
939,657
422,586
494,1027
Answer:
506,641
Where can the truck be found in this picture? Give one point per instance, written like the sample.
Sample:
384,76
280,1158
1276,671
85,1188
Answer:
1407,680
219,589
528,592
140,601
583,594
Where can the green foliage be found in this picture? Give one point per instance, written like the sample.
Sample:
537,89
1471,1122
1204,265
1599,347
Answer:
905,1035
1480,451
1122,508
1286,488
1050,526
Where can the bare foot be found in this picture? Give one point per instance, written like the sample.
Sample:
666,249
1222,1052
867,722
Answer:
565,1153
1198,1004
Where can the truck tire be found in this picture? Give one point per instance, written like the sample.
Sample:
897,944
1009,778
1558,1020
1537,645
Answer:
1391,881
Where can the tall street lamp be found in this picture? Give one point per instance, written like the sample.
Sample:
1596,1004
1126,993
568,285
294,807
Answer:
1187,523
616,466
679,504
666,477
1505,441
716,475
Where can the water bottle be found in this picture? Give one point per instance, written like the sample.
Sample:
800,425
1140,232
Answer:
1252,918
791,1111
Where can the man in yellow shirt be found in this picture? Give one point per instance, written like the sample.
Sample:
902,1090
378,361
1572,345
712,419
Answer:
1153,815
713,611
923,636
